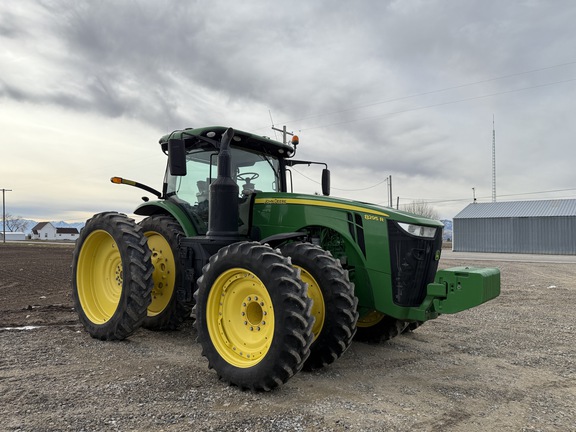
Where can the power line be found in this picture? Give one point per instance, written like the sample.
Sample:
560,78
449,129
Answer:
440,104
343,190
433,201
354,108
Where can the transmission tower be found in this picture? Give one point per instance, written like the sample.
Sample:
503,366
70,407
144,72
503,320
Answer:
493,161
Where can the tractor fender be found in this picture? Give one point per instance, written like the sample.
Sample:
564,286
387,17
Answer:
169,208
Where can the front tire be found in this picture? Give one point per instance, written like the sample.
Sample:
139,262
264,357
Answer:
111,276
166,311
411,326
253,316
334,303
376,327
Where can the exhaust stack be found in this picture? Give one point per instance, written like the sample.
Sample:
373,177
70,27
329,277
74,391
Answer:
223,201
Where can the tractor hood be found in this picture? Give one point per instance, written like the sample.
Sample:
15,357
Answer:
369,210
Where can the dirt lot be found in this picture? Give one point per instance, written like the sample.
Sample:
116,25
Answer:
508,365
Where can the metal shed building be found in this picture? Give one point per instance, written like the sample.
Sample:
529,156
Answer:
13,236
536,227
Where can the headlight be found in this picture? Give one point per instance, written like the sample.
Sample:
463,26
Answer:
418,230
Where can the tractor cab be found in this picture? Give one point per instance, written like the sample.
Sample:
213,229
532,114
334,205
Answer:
257,164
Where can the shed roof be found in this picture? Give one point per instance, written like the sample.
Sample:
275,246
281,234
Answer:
544,208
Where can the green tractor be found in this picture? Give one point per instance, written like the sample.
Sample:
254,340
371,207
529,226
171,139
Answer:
276,281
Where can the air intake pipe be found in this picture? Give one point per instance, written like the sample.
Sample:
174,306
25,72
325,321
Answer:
223,195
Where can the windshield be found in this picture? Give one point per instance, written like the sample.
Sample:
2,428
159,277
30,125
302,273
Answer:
253,172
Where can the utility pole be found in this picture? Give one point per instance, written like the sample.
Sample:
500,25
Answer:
284,133
390,199
4,213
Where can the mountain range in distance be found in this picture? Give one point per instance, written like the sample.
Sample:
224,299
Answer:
446,235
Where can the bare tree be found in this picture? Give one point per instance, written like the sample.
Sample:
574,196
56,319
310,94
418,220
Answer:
421,208
15,223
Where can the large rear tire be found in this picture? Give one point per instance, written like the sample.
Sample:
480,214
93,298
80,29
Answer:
166,311
334,303
253,316
111,276
376,327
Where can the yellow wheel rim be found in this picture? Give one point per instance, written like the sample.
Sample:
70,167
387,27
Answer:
164,275
318,308
240,317
99,277
370,319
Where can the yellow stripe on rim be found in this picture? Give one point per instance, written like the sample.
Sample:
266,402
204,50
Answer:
316,203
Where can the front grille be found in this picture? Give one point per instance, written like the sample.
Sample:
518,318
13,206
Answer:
413,264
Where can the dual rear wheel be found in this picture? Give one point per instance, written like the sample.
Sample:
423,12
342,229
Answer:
111,276
126,275
166,310
334,303
253,316
262,315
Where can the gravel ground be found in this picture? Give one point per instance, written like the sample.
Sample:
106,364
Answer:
507,365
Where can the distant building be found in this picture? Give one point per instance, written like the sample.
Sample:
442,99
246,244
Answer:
13,236
44,231
47,231
534,227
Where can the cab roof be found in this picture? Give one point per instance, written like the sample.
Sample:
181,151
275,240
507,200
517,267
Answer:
206,136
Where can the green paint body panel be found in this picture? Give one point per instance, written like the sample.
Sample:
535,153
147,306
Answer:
274,213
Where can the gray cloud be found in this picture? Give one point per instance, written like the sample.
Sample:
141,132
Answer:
339,72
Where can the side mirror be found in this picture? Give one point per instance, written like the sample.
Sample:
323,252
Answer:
177,157
326,182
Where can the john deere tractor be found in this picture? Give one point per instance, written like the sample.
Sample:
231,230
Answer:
276,281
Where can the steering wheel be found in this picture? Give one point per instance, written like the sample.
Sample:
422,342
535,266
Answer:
248,176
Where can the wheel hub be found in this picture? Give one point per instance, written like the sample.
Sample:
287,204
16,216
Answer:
119,274
242,326
253,311
160,272
370,319
164,275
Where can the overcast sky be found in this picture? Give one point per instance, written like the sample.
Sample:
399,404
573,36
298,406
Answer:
376,88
